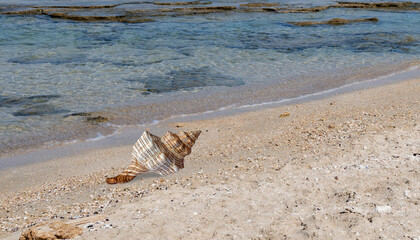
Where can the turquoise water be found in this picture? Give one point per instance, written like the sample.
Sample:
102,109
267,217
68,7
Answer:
51,69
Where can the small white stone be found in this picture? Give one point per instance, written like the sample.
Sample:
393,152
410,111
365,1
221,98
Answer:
383,209
106,226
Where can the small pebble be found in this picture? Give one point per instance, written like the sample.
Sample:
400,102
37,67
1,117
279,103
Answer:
383,209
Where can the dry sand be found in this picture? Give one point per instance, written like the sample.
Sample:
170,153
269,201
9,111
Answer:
345,167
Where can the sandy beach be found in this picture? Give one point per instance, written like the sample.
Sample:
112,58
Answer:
344,167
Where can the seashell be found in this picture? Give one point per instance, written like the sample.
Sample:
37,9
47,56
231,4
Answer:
161,155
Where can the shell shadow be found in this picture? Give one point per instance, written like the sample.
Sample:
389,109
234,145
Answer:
147,176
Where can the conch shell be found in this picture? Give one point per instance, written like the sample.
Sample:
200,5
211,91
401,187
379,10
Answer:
161,155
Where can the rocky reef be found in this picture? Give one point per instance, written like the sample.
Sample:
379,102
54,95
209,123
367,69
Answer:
366,5
119,18
138,14
253,5
395,5
334,21
305,10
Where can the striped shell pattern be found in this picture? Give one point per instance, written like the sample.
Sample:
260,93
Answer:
161,155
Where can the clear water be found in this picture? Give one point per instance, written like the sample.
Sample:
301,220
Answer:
135,73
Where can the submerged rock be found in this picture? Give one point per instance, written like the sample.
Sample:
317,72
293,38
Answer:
185,79
16,101
87,117
367,5
378,5
40,110
334,21
55,59
340,21
259,5
181,3
97,119
79,114
119,18
80,7
32,11
306,10
203,9
269,9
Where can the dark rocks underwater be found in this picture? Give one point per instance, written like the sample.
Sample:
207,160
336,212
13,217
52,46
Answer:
184,79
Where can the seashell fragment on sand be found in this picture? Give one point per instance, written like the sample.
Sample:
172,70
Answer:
57,230
160,155
286,114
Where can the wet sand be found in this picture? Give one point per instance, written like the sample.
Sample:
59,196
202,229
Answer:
345,166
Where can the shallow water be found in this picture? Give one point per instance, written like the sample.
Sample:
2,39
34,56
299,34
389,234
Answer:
52,70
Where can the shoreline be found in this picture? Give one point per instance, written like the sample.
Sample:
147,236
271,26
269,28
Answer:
329,169
194,103
123,135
